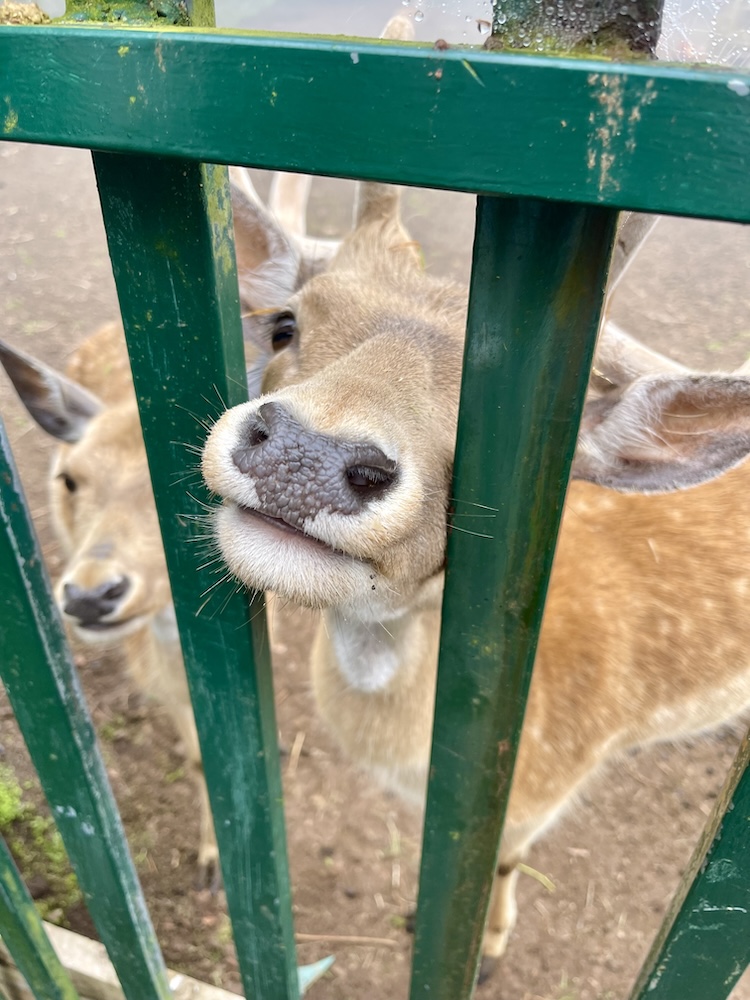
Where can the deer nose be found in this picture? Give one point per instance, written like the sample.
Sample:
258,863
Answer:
298,473
89,606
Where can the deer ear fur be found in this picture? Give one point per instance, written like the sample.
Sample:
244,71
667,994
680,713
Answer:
273,262
60,406
267,260
664,433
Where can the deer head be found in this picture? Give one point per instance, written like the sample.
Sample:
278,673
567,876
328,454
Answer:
115,578
336,480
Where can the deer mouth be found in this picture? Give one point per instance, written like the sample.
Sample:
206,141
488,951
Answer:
106,632
265,552
101,626
278,524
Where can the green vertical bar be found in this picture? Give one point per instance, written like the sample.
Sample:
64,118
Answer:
38,673
23,933
703,946
536,292
168,226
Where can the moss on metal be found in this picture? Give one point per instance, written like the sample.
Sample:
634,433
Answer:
37,849
606,28
167,12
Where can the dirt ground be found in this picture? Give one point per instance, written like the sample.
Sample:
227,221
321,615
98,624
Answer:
614,861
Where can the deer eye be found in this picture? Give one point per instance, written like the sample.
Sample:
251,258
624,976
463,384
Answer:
70,484
283,330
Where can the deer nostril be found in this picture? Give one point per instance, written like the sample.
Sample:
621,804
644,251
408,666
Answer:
372,474
255,432
258,427
118,588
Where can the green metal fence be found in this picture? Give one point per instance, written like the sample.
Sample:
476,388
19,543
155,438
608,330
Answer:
566,142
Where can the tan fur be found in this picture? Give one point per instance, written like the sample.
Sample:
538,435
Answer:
102,503
109,528
644,635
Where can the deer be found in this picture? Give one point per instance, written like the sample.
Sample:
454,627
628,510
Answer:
114,590
333,489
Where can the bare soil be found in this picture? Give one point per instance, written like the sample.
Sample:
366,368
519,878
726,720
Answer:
614,860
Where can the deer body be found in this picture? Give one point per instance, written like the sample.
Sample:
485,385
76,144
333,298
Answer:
336,487
621,662
114,591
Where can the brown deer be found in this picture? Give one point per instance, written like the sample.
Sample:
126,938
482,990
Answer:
335,486
114,590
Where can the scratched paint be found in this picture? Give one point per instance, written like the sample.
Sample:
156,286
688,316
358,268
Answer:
703,945
48,703
177,204
613,126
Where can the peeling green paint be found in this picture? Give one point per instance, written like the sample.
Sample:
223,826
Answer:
168,226
219,208
713,898
10,123
614,128
495,587
471,71
41,683
546,104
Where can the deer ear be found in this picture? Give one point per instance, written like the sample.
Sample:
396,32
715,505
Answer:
60,406
665,433
267,261
273,261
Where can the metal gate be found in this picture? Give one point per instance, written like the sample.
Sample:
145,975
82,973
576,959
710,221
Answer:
151,105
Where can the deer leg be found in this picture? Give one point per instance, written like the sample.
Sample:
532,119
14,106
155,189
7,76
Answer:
209,870
503,910
502,915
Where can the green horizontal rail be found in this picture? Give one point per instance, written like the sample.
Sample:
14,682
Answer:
23,934
703,946
639,136
172,255
537,286
43,689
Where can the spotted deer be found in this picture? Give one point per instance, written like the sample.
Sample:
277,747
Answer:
114,589
335,488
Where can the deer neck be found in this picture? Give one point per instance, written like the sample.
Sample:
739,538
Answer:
374,684
375,650
154,658
369,654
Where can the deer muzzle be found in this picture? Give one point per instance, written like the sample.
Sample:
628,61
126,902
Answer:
299,473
